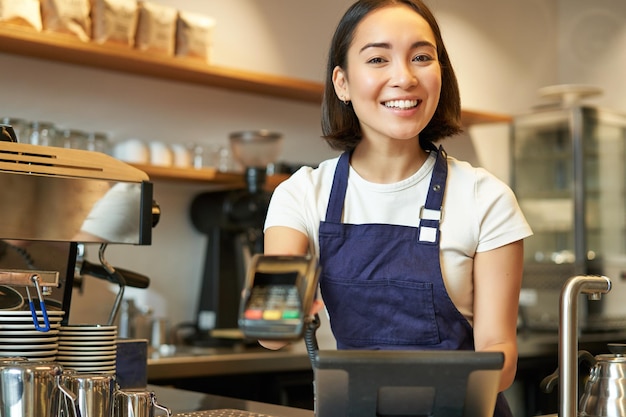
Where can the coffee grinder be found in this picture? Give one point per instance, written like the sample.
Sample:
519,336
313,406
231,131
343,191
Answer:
233,222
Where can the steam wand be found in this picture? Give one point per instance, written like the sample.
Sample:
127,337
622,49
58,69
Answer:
116,277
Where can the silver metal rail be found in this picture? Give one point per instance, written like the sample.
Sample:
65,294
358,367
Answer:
594,286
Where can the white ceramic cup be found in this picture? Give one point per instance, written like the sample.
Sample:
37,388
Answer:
132,150
182,155
161,154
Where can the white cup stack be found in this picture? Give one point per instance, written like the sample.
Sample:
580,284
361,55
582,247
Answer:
20,338
88,348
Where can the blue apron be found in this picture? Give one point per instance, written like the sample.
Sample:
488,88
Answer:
382,283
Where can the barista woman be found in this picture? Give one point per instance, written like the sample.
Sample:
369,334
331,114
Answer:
418,250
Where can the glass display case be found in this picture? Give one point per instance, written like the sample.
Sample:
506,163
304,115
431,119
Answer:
569,177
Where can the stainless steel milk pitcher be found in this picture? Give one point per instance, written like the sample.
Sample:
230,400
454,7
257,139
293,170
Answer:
137,403
93,391
32,389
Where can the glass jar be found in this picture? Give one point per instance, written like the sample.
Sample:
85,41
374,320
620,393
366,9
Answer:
98,142
203,155
73,139
41,133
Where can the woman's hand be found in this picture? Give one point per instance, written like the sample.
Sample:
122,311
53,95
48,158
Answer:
273,344
285,241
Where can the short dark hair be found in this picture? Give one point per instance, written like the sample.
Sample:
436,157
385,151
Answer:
340,125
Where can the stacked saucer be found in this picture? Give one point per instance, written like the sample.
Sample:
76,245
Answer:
88,348
20,338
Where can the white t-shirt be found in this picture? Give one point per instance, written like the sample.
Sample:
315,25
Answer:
480,213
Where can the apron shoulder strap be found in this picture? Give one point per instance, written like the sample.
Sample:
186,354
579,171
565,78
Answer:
434,199
338,190
432,211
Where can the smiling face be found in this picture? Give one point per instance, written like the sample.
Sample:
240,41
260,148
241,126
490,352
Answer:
392,76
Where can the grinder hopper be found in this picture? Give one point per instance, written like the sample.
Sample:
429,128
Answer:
233,222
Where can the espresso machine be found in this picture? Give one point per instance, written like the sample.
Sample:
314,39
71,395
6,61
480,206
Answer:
54,199
233,222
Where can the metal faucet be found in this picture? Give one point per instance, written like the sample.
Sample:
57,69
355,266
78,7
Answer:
594,287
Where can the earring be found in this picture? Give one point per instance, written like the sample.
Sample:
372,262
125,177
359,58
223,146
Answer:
346,102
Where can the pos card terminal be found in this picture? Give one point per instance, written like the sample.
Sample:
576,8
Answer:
277,296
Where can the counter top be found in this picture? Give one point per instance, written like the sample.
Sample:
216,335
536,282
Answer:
182,401
188,362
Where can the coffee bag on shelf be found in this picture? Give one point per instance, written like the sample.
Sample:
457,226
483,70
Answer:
67,16
194,35
22,12
156,28
114,21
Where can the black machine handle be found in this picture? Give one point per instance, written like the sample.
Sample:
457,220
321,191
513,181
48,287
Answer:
132,279
7,134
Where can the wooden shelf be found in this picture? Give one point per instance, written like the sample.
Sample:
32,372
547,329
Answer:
65,48
229,180
470,117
